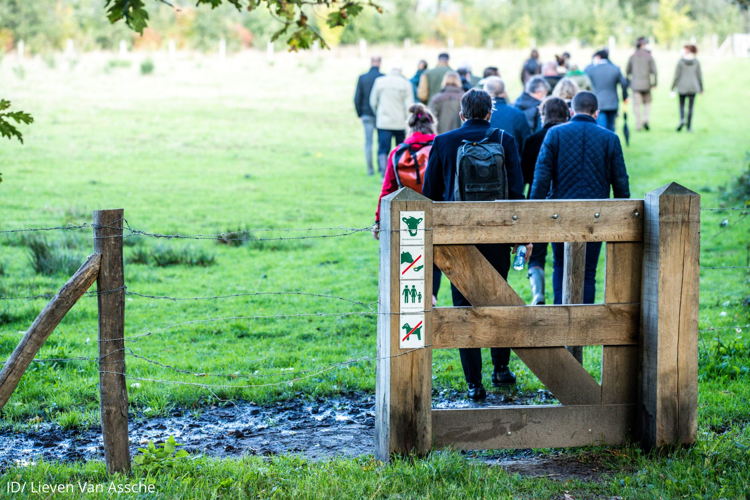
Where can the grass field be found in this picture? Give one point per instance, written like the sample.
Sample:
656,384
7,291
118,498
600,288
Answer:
204,146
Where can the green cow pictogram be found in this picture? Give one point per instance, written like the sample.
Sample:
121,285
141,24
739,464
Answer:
412,224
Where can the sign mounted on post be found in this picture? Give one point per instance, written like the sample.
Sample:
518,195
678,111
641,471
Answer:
412,270
412,227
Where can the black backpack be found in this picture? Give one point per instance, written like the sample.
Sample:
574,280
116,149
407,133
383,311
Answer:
480,170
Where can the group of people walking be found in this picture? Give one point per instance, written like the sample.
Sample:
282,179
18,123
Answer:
556,141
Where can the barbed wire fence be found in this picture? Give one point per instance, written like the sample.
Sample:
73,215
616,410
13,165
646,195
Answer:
243,235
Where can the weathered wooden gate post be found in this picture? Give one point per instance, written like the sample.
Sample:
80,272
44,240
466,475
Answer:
574,275
113,390
403,422
669,317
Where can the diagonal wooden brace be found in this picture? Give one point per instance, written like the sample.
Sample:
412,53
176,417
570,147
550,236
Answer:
482,285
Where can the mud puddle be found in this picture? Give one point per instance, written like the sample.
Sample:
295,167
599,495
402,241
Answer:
316,429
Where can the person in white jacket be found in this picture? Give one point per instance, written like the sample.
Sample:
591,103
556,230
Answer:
391,97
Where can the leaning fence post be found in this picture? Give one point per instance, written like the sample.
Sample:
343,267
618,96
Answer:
113,391
574,271
403,389
669,317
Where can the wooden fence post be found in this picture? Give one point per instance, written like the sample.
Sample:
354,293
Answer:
112,385
574,272
669,317
403,421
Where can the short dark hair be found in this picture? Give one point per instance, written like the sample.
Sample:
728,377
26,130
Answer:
443,56
642,40
490,71
554,110
476,104
585,102
603,53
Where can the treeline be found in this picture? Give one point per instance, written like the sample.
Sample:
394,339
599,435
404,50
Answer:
46,25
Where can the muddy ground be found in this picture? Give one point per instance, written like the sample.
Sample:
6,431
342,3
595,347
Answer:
317,429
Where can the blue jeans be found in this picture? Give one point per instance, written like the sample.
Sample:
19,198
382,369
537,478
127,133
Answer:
368,123
386,136
589,282
607,119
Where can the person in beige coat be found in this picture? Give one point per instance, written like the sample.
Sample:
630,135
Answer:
390,99
641,71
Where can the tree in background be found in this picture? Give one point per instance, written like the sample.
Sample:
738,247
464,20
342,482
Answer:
673,22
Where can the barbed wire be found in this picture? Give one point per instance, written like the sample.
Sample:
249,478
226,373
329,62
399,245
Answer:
721,328
725,267
69,227
162,329
92,293
299,378
250,294
719,209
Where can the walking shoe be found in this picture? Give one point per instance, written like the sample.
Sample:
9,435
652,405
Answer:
645,125
679,128
476,392
536,280
503,376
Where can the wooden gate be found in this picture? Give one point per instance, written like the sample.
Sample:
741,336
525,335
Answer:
647,325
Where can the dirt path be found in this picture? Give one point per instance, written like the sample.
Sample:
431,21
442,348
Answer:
319,429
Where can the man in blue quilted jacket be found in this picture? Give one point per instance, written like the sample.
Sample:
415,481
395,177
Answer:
580,160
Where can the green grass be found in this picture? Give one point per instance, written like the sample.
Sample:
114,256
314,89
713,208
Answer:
199,148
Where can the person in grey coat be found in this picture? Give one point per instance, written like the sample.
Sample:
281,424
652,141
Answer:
364,111
688,81
605,77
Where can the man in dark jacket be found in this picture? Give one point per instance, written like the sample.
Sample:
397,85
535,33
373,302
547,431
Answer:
580,160
605,77
535,91
505,116
531,67
554,111
364,110
439,181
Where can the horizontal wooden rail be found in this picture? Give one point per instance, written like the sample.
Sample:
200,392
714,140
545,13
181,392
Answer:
535,326
456,223
543,426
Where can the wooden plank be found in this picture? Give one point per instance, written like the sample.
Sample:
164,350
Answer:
537,326
113,391
622,285
45,324
404,377
574,272
542,426
456,223
474,276
669,312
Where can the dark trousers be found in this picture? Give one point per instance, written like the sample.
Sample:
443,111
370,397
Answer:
437,275
607,119
386,136
538,255
690,98
589,283
471,359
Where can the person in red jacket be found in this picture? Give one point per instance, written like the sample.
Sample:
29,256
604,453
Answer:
422,127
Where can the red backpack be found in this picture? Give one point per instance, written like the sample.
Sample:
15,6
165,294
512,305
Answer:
410,163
